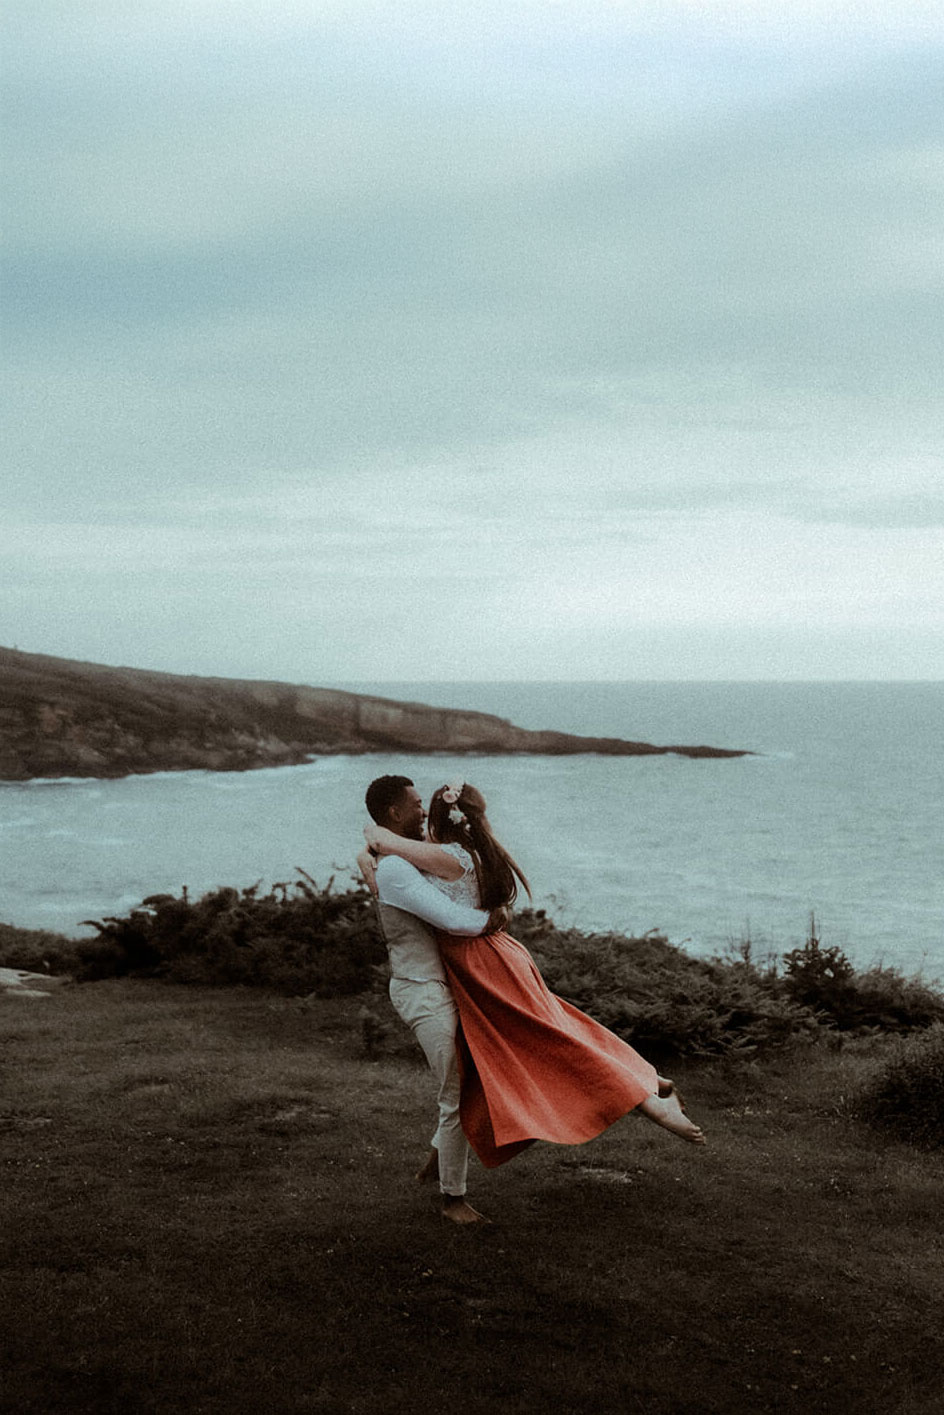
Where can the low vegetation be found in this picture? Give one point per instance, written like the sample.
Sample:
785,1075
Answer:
906,1095
207,1160
208,1207
296,938
40,950
302,939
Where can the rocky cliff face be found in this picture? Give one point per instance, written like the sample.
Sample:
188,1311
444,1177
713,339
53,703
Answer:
64,718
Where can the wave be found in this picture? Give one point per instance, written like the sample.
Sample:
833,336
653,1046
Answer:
48,783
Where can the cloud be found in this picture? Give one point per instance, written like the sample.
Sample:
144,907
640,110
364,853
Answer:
646,323
911,511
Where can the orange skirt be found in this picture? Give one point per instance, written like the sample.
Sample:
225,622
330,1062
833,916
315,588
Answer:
533,1067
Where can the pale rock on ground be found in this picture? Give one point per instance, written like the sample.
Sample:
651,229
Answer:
14,982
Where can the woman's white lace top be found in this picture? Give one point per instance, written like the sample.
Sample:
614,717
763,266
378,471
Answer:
465,889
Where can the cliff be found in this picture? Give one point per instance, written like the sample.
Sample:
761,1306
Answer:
64,718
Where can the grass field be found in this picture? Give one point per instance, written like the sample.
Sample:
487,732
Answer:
208,1209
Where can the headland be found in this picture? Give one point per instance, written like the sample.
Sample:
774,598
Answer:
62,717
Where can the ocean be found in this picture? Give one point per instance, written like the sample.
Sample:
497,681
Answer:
838,813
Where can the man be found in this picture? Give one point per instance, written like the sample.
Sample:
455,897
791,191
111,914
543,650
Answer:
410,908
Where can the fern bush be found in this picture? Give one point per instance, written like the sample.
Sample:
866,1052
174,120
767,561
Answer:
906,1098
662,1000
886,999
36,950
297,938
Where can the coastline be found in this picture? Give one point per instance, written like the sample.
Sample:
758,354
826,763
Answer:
65,719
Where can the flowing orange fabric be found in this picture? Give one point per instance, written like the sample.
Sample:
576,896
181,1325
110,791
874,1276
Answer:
533,1067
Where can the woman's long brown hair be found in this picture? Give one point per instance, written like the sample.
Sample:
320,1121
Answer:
495,870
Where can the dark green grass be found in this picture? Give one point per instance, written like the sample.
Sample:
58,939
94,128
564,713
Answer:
209,1209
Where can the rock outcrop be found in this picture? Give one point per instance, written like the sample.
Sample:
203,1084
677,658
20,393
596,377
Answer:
64,718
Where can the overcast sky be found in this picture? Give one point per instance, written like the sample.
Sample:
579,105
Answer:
587,339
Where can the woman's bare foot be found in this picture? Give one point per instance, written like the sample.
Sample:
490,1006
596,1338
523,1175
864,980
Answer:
430,1169
667,1112
456,1210
668,1088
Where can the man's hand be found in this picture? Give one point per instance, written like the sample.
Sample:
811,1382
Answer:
368,866
498,920
378,838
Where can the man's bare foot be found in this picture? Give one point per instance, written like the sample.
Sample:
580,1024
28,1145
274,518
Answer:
430,1169
458,1211
668,1113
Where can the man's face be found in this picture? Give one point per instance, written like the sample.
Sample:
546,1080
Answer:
407,817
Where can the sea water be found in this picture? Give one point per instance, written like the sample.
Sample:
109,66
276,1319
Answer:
837,813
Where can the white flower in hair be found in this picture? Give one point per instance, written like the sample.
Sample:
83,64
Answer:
456,816
452,792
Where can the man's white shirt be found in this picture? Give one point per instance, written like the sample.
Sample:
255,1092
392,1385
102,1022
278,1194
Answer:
413,954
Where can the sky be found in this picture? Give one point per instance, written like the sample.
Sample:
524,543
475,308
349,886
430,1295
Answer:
574,339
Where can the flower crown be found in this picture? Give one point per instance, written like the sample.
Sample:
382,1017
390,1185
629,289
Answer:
450,796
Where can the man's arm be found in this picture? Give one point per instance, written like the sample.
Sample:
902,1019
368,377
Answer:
367,865
405,888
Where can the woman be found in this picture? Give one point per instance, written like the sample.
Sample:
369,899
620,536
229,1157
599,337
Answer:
533,1066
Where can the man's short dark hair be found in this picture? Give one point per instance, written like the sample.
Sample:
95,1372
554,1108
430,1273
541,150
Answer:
384,793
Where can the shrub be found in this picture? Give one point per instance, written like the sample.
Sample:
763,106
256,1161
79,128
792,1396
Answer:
37,950
662,1000
885,998
301,939
907,1095
668,1003
823,979
297,938
817,976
